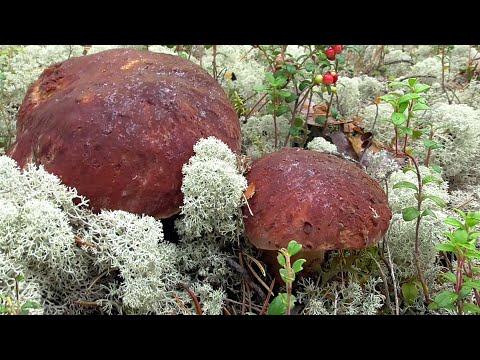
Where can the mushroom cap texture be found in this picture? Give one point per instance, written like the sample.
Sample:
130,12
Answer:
119,125
319,200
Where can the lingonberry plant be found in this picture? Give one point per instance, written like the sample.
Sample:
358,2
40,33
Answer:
466,279
284,302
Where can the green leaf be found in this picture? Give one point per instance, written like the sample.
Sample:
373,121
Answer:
409,168
409,292
462,214
475,284
450,277
398,119
260,87
465,291
417,134
402,107
291,69
298,122
341,59
285,277
277,306
311,67
471,221
270,78
284,93
282,110
304,84
419,88
20,278
30,305
406,130
460,236
412,82
281,260
293,247
408,97
420,106
334,112
445,299
470,308
410,213
430,144
428,212
436,200
437,169
454,222
297,265
406,185
280,81
446,247
395,84
431,178
321,120
291,98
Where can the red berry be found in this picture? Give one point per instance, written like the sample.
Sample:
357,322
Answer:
335,76
337,48
280,60
330,54
328,79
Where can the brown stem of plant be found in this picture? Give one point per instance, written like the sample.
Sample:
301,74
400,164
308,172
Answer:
275,128
305,129
396,140
475,291
265,304
417,231
266,56
298,105
443,74
214,61
429,151
288,283
325,127
410,113
198,308
459,281
254,106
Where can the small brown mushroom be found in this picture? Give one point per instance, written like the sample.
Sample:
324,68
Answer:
119,125
319,200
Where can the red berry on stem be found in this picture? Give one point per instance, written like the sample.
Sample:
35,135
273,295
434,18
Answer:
337,48
328,79
330,54
335,76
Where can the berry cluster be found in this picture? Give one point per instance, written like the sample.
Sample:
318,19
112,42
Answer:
331,77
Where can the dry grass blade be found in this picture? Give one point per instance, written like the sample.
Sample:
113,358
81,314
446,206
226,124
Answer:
258,277
87,303
258,263
198,308
182,305
80,242
249,209
265,304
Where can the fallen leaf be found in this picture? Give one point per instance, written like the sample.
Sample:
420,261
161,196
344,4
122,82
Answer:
250,191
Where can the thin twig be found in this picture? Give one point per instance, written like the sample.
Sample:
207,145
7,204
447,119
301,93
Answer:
198,308
265,304
385,283
395,291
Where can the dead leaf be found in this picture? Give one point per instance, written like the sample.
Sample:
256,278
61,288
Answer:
250,191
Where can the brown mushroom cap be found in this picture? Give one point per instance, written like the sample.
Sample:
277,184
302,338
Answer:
321,201
119,125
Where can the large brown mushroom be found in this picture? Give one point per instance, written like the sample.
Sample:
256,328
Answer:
321,201
119,125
